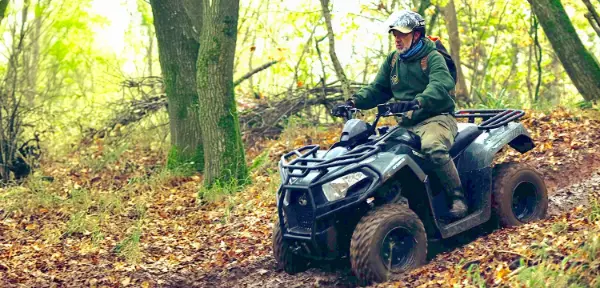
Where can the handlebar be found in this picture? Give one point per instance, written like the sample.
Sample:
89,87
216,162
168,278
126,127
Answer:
383,110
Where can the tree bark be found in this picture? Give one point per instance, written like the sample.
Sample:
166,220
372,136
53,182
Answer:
339,71
193,9
580,65
454,39
178,51
224,151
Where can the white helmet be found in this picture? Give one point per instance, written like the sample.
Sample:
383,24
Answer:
406,21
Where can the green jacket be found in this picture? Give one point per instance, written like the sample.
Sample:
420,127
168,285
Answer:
408,81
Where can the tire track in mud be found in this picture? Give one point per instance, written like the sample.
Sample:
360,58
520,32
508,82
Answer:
263,272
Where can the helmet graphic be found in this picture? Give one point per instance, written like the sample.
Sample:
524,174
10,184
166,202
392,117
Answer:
406,21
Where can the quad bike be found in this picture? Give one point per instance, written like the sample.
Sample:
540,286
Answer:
372,197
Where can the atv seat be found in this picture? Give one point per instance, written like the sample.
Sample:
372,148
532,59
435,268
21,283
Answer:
467,133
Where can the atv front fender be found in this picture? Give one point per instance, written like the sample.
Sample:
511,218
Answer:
397,163
480,154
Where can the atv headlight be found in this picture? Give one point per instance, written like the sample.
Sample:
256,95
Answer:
338,188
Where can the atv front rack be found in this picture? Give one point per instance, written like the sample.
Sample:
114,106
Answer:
492,118
304,165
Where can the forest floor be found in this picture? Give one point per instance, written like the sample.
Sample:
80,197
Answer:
113,217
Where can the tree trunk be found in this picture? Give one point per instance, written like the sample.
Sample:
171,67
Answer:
580,65
454,39
224,151
339,71
178,51
193,9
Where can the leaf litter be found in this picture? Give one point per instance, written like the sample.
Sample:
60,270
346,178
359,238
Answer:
65,233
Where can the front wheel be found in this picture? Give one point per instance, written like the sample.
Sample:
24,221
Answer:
519,194
288,261
389,239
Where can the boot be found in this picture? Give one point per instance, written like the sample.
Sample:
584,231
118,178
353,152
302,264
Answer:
450,182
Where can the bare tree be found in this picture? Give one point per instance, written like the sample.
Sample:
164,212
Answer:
339,71
462,93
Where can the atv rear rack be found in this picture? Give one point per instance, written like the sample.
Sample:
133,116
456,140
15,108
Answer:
492,118
302,162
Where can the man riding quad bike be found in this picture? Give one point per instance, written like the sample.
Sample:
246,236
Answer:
380,193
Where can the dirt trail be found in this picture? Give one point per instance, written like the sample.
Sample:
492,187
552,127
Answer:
568,188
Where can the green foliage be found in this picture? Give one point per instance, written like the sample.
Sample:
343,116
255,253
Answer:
219,191
500,100
594,214
544,275
259,162
474,276
80,223
129,247
33,195
110,156
559,227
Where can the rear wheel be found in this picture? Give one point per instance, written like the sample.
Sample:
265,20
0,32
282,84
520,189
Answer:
519,194
389,239
290,262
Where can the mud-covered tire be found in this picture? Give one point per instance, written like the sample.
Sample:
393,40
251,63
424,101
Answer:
286,260
366,251
519,194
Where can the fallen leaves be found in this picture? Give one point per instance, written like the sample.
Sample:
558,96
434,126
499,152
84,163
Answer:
183,235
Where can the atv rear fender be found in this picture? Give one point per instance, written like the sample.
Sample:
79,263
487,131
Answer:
480,154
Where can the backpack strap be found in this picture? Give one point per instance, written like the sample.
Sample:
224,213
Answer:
425,63
394,60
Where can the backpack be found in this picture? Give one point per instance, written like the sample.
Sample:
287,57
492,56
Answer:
442,50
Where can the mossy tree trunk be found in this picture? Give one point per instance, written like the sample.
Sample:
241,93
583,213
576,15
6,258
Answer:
580,65
178,51
224,150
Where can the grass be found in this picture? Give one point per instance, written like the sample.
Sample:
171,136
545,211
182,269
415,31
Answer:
594,211
110,156
129,247
474,276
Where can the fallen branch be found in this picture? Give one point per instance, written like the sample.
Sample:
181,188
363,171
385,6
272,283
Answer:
249,74
263,120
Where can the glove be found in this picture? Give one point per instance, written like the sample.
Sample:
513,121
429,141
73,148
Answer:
404,106
341,109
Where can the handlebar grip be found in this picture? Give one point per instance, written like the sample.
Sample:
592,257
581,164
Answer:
416,107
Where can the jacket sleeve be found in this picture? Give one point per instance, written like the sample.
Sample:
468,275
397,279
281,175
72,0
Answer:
379,91
436,96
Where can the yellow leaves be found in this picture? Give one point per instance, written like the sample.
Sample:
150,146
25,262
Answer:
31,227
125,281
501,274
